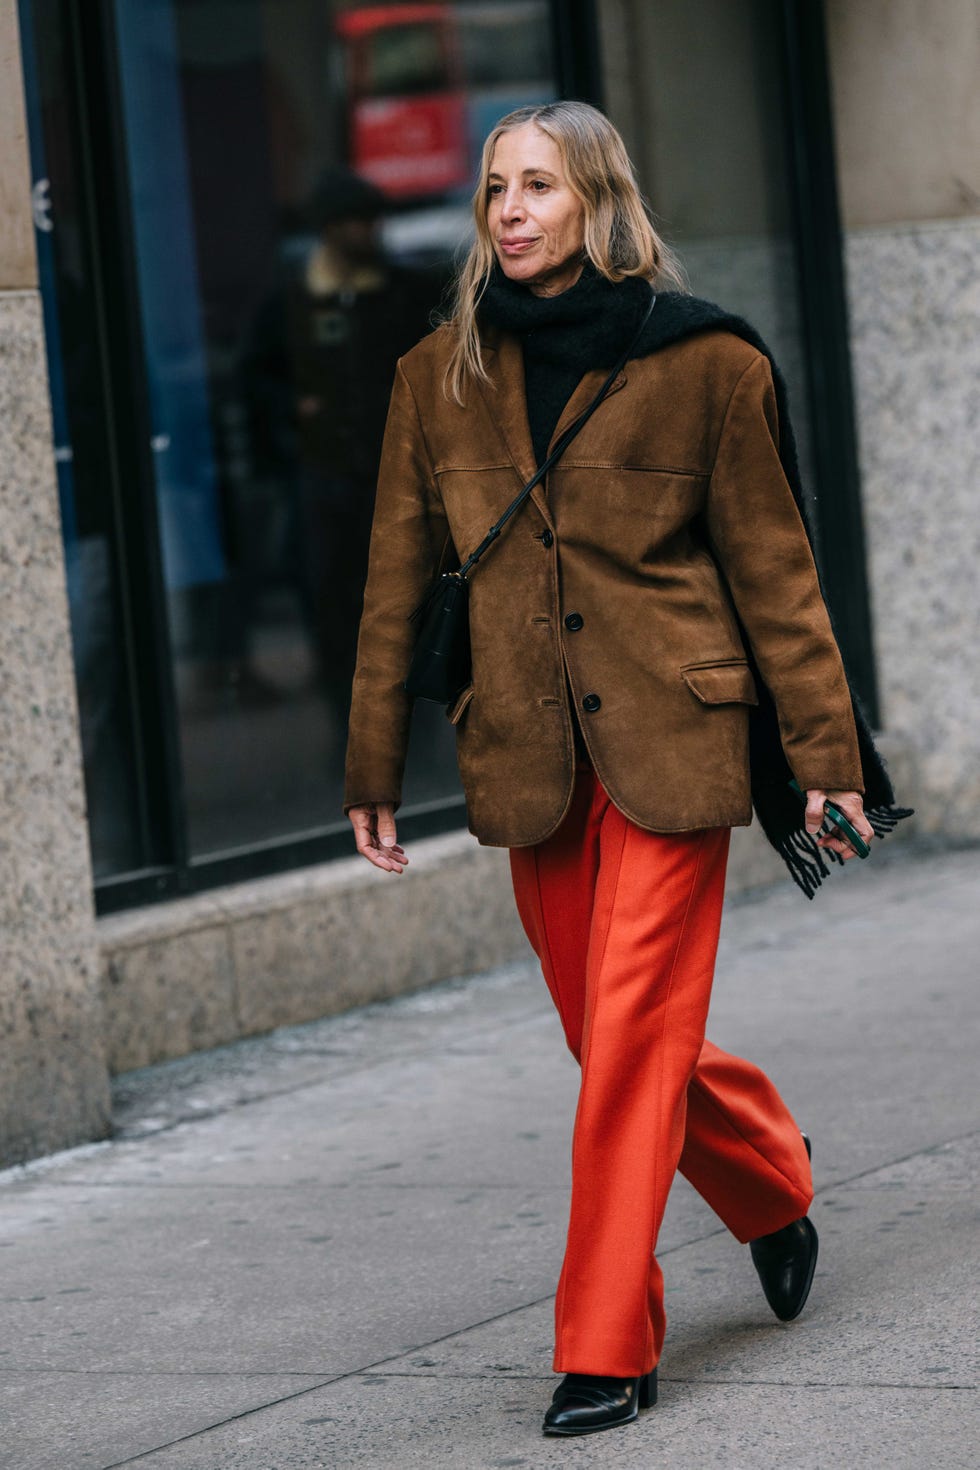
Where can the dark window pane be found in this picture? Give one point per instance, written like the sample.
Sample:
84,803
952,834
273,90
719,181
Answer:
298,181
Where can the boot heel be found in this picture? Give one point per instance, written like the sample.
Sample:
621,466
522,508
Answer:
648,1389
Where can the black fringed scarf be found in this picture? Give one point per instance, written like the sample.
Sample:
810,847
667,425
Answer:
583,328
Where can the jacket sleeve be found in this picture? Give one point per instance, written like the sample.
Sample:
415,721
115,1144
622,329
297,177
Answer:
762,548
408,537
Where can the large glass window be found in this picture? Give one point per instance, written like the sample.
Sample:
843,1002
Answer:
296,178
299,173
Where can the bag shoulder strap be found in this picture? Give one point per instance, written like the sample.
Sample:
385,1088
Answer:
558,450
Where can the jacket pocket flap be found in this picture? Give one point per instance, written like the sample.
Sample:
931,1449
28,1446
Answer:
728,683
459,706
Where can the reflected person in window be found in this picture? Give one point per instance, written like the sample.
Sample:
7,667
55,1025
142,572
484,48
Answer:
651,657
319,366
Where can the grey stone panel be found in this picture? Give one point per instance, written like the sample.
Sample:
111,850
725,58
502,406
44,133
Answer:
906,108
53,1082
278,951
18,262
166,998
914,295
378,935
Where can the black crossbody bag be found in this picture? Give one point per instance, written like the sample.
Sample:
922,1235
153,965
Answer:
441,663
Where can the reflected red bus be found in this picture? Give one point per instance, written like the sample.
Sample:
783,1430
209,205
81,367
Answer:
406,104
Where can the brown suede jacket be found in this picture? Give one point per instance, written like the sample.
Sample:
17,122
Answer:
616,586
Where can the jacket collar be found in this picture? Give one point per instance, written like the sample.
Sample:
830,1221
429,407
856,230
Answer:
506,402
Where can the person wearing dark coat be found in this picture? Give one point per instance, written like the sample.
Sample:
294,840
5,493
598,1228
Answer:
318,368
651,658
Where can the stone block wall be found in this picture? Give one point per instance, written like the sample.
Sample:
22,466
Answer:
907,117
53,1081
914,293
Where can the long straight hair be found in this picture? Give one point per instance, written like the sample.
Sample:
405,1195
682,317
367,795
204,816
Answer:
620,239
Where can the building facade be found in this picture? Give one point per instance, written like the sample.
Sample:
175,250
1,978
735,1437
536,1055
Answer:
221,222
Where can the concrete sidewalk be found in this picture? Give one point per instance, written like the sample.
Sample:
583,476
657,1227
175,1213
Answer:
336,1246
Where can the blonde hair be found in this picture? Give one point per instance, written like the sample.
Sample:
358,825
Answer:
620,239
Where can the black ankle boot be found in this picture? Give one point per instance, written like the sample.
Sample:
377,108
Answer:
584,1403
786,1261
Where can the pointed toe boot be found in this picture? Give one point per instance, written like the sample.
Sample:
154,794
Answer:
584,1403
786,1261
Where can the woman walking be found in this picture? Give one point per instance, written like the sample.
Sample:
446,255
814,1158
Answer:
651,655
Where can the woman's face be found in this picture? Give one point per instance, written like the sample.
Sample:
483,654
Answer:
536,222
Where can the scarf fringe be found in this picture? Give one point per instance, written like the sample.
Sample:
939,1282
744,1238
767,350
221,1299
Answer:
885,819
807,863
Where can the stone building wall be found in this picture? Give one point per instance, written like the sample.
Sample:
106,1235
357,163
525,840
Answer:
907,113
53,1080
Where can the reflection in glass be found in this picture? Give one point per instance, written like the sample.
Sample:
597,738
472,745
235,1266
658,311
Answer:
299,176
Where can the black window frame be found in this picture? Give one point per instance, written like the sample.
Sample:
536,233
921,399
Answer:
841,545
169,871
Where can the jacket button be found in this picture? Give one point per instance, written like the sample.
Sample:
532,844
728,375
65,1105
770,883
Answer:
591,703
547,539
574,621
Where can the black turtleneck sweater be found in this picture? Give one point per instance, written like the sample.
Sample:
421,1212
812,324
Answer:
563,336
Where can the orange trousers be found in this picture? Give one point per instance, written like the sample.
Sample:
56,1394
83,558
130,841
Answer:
625,923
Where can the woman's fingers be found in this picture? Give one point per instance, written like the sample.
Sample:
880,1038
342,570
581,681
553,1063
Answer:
840,845
375,836
385,824
814,811
387,837
850,803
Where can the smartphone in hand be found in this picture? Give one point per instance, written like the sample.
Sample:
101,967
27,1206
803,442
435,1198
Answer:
834,815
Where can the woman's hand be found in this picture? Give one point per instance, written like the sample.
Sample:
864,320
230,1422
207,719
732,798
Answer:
852,806
375,835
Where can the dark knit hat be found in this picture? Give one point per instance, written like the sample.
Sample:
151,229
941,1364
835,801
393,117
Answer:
341,194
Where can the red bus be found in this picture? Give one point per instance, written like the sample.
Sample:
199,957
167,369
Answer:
406,104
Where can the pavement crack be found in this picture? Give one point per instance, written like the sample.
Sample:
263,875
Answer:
310,1388
917,1153
168,1444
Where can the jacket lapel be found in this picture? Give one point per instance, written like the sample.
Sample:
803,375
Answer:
506,403
583,395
